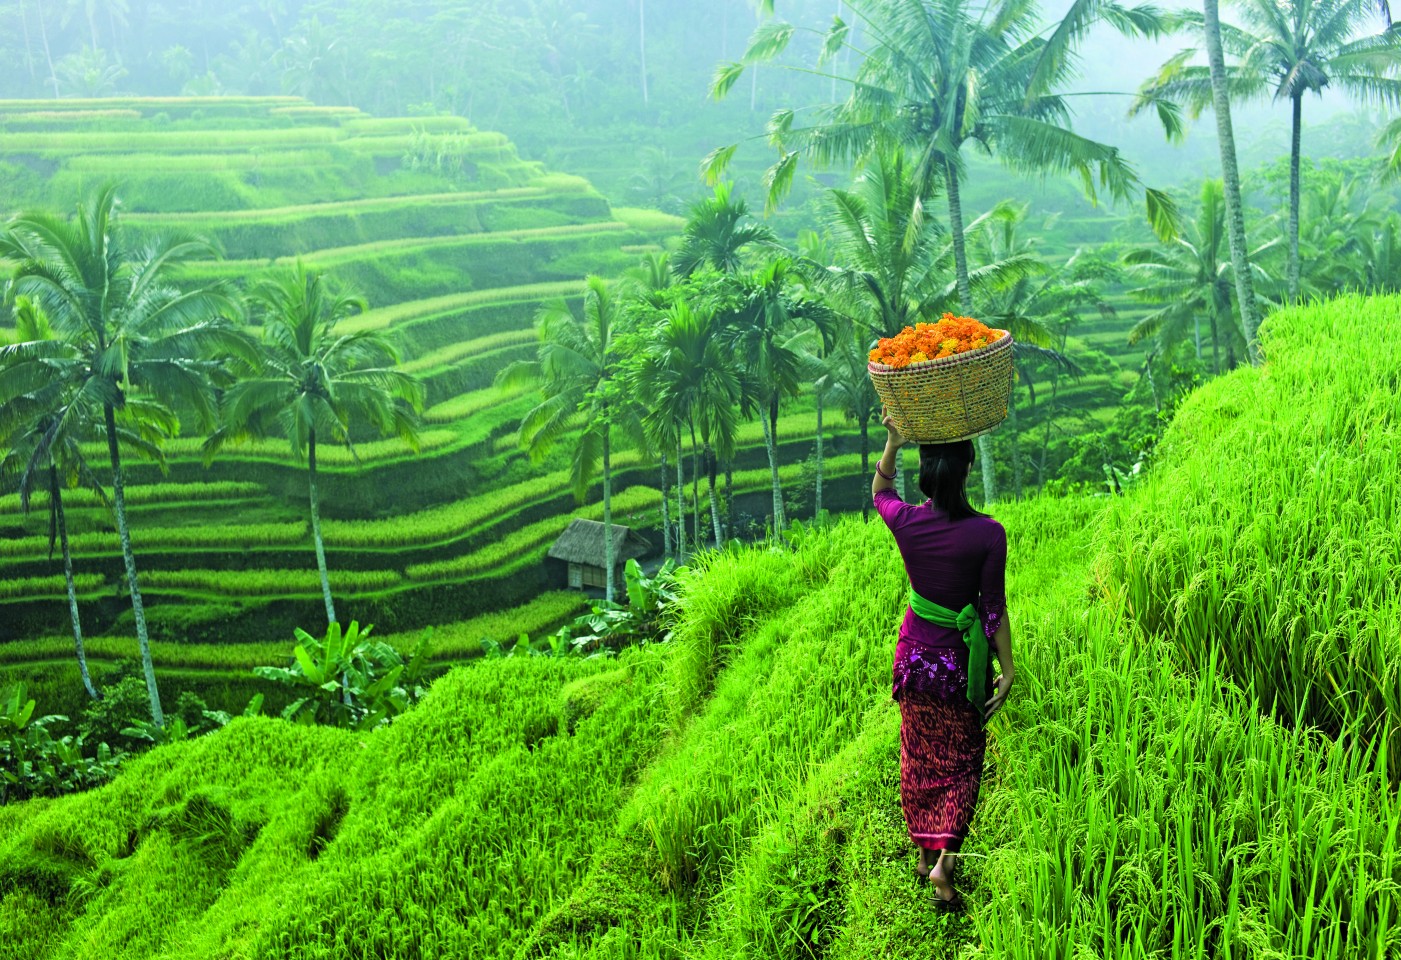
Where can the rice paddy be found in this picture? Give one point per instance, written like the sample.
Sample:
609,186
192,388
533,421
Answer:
732,792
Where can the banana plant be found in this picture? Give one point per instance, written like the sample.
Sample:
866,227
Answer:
347,679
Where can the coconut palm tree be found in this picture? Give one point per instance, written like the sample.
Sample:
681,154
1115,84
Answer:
716,234
693,381
1025,303
576,368
311,384
938,77
1188,280
1287,51
761,312
131,330
49,411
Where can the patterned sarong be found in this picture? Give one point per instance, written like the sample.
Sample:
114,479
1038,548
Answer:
941,766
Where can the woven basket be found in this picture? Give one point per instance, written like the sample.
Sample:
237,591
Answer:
956,398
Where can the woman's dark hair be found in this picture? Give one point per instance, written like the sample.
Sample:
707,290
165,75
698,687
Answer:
943,467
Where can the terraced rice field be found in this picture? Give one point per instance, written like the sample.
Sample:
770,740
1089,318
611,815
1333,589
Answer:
455,266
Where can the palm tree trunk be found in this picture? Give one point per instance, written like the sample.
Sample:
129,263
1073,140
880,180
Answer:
695,488
28,43
771,446
92,27
607,515
1016,446
61,525
129,559
48,54
965,303
865,462
642,44
960,248
666,511
817,494
710,466
1046,434
1235,216
1297,102
729,498
680,501
316,529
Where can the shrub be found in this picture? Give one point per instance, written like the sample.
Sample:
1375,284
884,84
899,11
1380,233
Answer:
347,680
33,762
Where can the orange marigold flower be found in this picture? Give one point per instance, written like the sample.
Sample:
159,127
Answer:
946,337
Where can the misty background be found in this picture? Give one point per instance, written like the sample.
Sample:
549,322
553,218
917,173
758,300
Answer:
615,90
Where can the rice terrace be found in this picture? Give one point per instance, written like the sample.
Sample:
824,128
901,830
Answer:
793,480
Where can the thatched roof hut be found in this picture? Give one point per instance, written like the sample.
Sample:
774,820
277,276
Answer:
581,546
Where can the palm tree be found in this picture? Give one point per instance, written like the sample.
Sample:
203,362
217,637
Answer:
1189,279
1025,302
849,384
146,345
309,383
761,313
1230,176
938,77
693,382
716,234
1288,51
576,368
48,411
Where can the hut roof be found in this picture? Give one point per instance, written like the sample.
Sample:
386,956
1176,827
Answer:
582,542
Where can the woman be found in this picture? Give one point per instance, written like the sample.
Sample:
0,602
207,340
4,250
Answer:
956,559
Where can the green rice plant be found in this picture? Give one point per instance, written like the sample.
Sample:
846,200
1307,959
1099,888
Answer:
1279,558
189,448
445,356
211,105
382,126
114,165
281,216
409,311
266,583
650,221
309,112
466,404
167,142
147,493
463,639
339,257
529,542
21,588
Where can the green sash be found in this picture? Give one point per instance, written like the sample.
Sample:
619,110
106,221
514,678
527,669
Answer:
966,622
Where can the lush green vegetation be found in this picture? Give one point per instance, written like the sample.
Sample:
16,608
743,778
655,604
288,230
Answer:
730,792
212,378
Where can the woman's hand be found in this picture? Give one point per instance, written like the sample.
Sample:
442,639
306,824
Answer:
893,439
999,695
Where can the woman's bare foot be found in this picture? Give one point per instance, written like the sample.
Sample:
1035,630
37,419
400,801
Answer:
924,867
940,878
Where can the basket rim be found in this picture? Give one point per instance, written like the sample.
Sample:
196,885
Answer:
1000,343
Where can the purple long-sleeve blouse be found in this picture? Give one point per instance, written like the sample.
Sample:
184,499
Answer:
954,563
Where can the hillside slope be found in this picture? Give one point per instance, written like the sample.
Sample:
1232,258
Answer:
733,792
